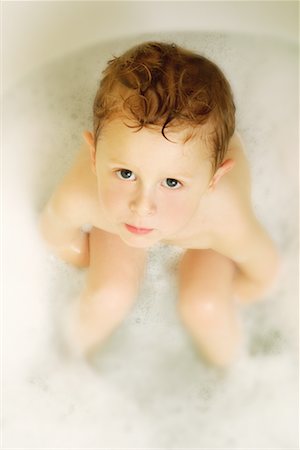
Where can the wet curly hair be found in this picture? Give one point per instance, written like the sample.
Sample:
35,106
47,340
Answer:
165,85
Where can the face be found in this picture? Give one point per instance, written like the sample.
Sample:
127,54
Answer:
149,188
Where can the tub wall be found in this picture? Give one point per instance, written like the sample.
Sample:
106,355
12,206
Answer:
36,32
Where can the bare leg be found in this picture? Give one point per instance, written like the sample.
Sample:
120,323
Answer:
76,252
206,304
112,285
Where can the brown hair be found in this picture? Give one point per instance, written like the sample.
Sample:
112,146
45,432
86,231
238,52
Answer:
163,84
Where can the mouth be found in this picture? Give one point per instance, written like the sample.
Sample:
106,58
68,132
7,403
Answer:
136,230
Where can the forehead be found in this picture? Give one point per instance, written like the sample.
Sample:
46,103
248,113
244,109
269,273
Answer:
122,138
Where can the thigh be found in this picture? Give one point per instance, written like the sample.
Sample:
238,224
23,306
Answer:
205,275
113,263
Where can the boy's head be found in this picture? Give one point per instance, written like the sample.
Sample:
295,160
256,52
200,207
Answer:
167,87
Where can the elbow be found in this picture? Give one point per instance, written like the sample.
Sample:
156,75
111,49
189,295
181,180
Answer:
270,283
44,227
275,272
271,269
51,228
250,290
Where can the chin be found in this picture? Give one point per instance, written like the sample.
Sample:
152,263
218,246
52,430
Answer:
139,241
138,244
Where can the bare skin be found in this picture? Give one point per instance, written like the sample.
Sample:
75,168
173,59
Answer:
229,257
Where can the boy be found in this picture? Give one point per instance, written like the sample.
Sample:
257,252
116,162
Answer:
163,164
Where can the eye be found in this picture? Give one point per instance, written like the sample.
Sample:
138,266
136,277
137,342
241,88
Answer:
125,174
172,183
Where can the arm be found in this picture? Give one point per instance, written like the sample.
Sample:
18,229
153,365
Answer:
257,266
257,263
243,239
254,255
62,231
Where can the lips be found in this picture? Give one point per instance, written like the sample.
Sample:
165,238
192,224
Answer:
136,230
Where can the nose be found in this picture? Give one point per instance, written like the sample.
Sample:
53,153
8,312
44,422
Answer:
143,204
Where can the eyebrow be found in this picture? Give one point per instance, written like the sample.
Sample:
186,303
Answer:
123,164
120,163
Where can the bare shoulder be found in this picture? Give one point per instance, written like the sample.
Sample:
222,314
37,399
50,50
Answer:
238,181
75,194
238,233
232,194
232,209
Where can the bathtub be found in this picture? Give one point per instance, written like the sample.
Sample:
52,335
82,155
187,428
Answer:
147,387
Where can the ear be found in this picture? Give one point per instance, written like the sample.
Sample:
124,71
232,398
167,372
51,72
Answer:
89,139
225,167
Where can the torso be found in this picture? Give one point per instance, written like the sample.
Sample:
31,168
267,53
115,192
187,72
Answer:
220,211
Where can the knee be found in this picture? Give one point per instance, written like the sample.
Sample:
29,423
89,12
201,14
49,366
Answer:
118,297
204,308
76,254
110,297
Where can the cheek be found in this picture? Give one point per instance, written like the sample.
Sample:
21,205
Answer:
111,197
179,207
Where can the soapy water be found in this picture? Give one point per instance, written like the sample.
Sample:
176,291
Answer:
146,387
